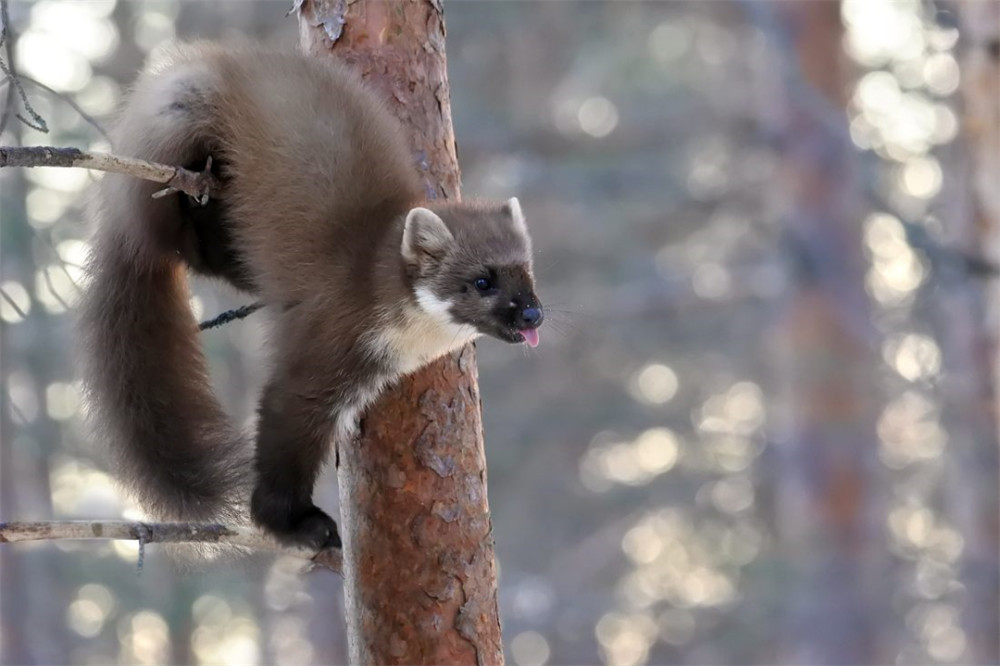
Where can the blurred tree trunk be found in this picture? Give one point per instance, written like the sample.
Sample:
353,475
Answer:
420,577
827,527
973,488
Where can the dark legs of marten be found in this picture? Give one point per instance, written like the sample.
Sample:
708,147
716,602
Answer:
292,443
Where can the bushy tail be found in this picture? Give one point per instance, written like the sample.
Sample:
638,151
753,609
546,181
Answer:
148,388
144,373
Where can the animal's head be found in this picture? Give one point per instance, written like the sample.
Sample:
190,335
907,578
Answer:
471,265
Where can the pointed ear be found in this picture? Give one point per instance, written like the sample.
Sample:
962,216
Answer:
424,234
513,208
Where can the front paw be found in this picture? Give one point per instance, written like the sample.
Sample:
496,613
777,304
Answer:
304,525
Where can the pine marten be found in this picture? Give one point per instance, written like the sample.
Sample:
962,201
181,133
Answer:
322,216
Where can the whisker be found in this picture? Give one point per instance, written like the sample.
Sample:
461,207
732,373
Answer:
563,328
568,311
568,308
454,338
568,318
552,263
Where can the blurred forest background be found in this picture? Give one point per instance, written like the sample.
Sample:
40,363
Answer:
761,425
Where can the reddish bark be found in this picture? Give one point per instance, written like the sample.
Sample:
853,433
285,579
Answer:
418,550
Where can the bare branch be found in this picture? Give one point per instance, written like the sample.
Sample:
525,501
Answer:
14,532
199,185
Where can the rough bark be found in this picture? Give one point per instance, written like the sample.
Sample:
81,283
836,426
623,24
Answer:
420,577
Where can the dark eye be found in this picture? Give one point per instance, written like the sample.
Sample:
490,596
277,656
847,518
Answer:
483,284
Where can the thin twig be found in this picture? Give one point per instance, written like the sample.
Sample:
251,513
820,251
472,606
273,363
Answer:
199,185
65,98
12,303
14,532
36,122
52,290
230,315
20,417
6,41
62,263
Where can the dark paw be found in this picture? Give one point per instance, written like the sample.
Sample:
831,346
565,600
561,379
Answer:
294,524
316,530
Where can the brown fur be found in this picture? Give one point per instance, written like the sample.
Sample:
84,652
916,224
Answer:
318,185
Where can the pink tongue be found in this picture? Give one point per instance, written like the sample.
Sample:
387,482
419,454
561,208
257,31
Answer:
530,336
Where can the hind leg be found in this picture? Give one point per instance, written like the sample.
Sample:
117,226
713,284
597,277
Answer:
210,244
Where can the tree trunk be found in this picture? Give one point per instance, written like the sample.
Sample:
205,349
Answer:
419,567
974,490
827,529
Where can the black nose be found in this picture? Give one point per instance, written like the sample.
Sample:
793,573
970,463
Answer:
531,317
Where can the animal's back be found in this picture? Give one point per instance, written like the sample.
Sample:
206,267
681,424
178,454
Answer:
314,152
305,150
